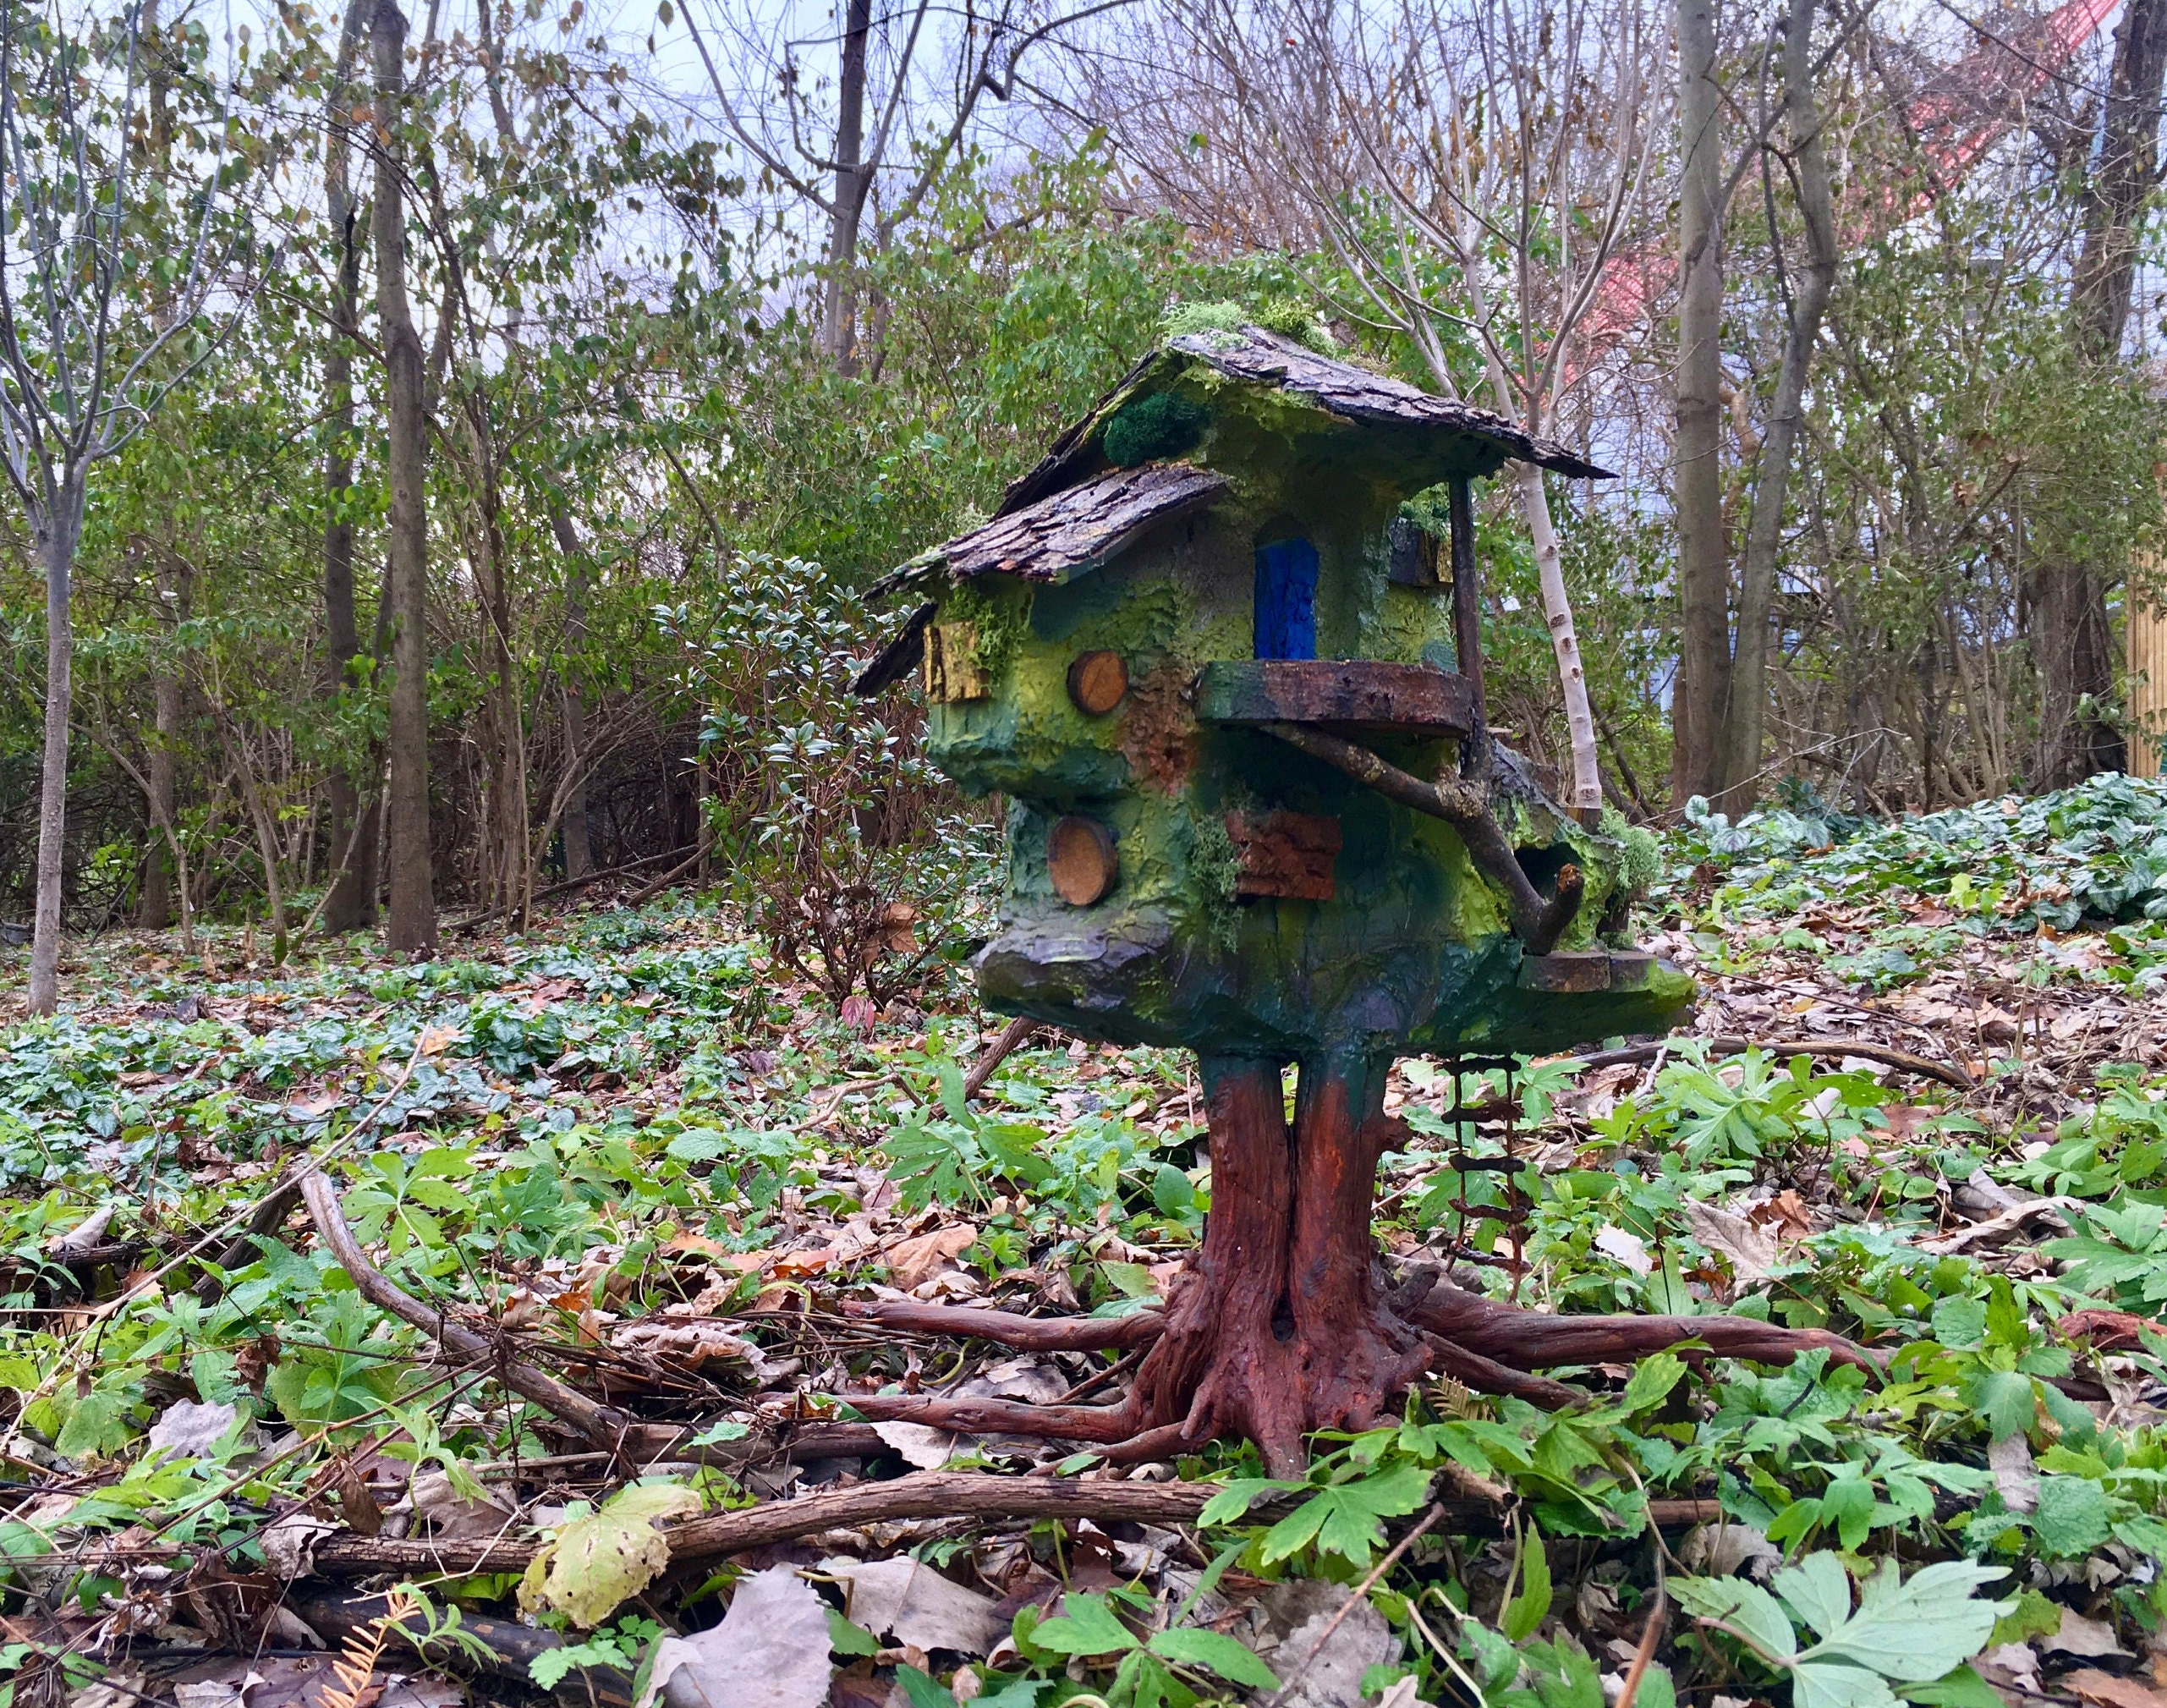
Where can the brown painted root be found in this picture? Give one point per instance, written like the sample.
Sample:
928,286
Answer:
1280,1328
1537,1340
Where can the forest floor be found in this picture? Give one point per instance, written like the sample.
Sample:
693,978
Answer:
626,1162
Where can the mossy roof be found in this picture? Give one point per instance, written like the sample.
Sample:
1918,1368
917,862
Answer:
1254,356
1070,532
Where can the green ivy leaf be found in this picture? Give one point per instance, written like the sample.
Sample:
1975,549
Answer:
1087,1626
2072,1517
1220,1654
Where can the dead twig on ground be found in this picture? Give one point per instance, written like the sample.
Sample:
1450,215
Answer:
1947,1073
920,1495
604,1426
1012,1035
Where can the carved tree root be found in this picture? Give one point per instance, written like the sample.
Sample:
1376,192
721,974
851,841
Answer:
1280,1328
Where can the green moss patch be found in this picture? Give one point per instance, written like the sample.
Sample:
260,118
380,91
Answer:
1163,425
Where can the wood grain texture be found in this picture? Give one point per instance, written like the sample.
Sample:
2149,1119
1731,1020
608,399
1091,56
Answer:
1353,695
1070,533
1082,860
1096,683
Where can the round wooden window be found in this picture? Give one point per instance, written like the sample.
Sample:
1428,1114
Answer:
1097,681
1081,859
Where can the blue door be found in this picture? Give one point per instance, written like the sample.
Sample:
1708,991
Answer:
1286,600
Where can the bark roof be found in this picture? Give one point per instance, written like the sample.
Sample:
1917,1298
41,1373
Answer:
1265,358
1070,532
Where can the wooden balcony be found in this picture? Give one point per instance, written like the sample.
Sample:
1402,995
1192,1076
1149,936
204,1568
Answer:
1348,696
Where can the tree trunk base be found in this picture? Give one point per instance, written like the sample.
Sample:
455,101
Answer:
1281,1326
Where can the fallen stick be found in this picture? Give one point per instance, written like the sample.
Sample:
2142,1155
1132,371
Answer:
1011,1034
604,1426
920,1495
548,892
512,1648
1946,1072
274,1207
647,893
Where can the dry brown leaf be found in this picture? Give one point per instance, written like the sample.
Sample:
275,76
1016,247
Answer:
1752,1251
909,1599
2092,1685
915,1261
691,1345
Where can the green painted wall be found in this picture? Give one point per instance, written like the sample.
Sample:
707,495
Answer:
1412,953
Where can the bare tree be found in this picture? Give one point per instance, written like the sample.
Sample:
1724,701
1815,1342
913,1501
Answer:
1697,472
840,184
1473,169
350,901
2073,645
1745,717
72,391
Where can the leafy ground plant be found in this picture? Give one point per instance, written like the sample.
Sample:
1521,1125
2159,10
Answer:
639,1156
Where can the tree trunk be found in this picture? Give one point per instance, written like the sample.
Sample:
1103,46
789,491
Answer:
1281,1324
508,769
413,927
56,531
154,906
154,909
2072,640
1704,570
1281,1329
2114,200
1587,786
1745,722
852,181
351,904
578,851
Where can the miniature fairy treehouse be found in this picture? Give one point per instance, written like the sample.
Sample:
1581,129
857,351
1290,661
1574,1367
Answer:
1221,650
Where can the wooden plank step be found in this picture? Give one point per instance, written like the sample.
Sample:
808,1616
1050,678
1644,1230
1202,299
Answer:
1350,696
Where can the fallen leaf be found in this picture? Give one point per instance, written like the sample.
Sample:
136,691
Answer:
2105,1689
1295,1634
796,1265
1784,1215
2086,1638
695,1245
447,1513
84,1236
436,1039
1023,1377
914,1262
769,1651
289,1543
922,1446
594,1564
189,1430
1628,1248
691,1345
1752,1251
2010,1459
907,1600
2107,1331
1730,1549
